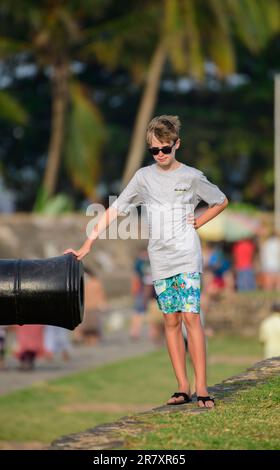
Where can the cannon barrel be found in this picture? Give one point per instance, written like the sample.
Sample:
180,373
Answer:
42,291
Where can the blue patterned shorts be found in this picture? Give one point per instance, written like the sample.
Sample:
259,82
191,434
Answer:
179,293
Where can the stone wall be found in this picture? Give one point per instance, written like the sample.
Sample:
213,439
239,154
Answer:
30,236
241,312
34,236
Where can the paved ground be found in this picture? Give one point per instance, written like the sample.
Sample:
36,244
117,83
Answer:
116,346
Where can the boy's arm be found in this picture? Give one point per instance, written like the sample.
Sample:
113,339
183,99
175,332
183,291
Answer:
105,220
212,195
209,214
131,195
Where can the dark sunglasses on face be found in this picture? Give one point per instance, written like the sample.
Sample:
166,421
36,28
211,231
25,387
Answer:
166,149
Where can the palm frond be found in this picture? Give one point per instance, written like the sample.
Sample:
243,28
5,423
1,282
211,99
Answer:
255,21
9,47
84,141
193,37
173,33
11,110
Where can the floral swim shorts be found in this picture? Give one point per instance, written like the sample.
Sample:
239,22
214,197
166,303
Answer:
179,293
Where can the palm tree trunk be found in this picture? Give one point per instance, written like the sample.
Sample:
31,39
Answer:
147,105
60,96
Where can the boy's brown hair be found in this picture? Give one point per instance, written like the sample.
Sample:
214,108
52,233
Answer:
165,128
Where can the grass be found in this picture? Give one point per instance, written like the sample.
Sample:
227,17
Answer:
234,346
250,423
39,413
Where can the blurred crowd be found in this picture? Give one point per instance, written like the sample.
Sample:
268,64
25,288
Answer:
244,265
27,343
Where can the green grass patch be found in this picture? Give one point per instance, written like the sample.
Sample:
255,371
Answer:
234,346
37,414
250,422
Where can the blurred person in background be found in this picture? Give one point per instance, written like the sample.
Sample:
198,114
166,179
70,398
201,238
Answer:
29,345
209,288
219,264
218,278
155,322
269,332
56,341
141,290
270,262
243,253
90,330
228,274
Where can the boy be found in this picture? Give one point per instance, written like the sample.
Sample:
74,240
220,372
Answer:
171,190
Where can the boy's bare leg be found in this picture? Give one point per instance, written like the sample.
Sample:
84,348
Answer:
177,352
197,350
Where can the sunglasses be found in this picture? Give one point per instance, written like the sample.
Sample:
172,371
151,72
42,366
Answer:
166,149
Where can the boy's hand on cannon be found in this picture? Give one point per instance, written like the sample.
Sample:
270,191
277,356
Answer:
82,252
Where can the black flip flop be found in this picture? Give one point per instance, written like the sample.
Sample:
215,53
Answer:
187,399
205,399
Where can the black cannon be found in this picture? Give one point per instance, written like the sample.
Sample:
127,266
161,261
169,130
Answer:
43,292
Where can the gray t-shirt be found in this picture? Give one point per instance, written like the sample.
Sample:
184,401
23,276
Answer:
174,245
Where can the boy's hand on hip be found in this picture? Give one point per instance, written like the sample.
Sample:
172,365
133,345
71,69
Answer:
82,252
192,220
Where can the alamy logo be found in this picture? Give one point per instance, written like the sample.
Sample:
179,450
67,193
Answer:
156,221
180,189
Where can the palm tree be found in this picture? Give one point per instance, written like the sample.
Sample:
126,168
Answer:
190,32
56,35
58,38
